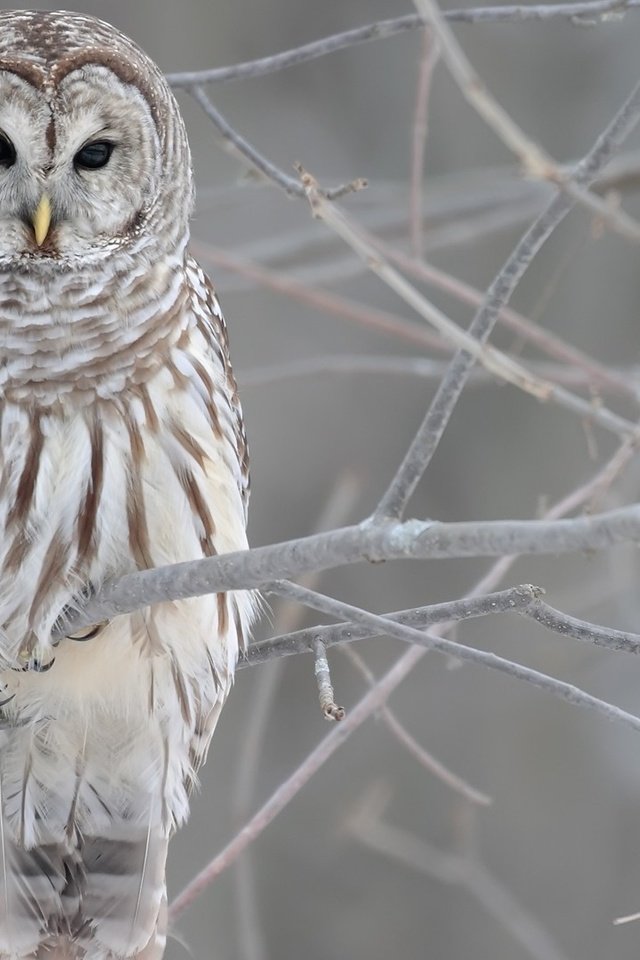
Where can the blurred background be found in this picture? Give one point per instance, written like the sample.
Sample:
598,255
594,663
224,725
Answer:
560,844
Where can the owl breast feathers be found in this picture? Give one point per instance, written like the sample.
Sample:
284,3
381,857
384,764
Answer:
122,447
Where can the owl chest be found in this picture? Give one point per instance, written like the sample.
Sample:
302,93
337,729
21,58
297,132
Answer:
131,484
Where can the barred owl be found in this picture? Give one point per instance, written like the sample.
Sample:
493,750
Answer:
122,447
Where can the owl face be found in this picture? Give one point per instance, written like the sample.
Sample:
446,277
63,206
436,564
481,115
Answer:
93,155
88,159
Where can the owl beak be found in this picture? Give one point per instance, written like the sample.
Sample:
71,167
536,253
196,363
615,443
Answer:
41,219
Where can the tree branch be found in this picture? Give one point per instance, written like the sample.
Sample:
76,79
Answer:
589,10
419,455
413,539
298,779
470,347
558,688
428,63
534,159
460,869
399,365
302,641
524,600
372,701
425,759
256,159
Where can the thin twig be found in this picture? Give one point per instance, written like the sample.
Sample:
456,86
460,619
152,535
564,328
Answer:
629,918
383,321
457,869
256,159
600,375
411,745
350,364
471,344
524,600
450,223
428,62
591,10
328,704
567,626
357,715
494,360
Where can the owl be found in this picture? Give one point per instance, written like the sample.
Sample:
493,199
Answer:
122,447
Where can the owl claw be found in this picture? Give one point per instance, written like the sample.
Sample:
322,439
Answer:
33,656
37,666
88,633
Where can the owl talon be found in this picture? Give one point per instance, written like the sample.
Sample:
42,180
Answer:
88,634
37,666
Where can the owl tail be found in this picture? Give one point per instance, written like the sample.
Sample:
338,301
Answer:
106,900
67,950
123,898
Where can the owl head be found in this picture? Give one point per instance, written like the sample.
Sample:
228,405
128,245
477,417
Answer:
93,154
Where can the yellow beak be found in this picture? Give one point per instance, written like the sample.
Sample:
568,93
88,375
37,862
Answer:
41,219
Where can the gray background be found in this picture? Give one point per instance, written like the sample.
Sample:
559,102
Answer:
562,834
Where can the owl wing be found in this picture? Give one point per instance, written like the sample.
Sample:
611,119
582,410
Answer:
213,327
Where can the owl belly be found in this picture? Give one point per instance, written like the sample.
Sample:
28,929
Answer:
114,723
95,776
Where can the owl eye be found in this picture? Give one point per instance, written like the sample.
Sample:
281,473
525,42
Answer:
7,152
94,155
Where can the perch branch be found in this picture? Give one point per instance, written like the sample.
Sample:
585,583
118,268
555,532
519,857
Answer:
413,539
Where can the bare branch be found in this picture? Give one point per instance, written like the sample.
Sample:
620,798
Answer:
368,705
411,745
383,321
302,641
629,918
589,10
534,159
356,716
256,159
425,443
471,347
428,63
524,600
494,360
562,623
599,376
454,868
298,779
350,364
550,343
414,539
558,688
